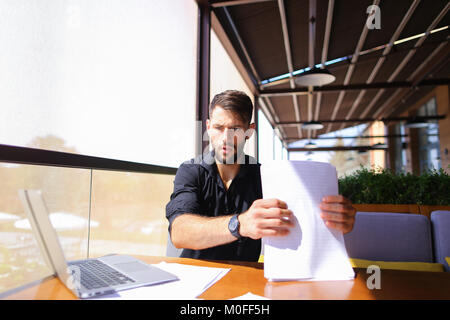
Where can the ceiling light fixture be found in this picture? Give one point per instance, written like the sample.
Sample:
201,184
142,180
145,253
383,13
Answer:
379,145
312,125
310,145
315,77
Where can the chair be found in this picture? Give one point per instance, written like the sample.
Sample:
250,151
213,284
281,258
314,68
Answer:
171,250
440,223
386,236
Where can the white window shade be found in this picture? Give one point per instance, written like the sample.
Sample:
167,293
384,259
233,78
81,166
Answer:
108,78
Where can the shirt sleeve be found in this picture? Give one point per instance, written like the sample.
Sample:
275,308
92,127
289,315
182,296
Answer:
184,198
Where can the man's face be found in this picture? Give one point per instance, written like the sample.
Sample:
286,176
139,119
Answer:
228,135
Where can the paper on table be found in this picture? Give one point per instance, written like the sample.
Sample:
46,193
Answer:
311,251
250,296
193,281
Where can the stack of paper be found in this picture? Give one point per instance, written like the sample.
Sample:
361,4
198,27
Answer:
311,251
193,281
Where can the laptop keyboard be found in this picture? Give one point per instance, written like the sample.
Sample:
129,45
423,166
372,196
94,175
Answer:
96,274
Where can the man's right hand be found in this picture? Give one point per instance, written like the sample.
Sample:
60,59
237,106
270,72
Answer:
266,218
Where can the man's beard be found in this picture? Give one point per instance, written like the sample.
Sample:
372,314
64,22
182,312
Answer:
236,157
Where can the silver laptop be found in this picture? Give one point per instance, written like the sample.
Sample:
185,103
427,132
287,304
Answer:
89,277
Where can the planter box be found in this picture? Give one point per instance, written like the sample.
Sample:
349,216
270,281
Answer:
399,208
426,210
396,208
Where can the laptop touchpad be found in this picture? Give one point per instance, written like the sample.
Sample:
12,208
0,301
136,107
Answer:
133,266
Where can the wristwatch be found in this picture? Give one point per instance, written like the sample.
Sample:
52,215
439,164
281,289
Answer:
234,225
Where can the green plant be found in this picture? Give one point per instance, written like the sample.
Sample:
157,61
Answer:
384,186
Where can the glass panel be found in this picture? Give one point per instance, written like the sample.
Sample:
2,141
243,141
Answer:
429,152
265,138
66,194
100,74
346,162
400,152
129,211
277,148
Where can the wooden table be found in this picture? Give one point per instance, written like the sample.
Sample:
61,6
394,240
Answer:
249,277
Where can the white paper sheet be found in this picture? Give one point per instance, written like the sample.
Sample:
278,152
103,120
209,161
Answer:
312,251
250,296
193,281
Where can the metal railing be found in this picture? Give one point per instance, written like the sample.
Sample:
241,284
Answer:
25,155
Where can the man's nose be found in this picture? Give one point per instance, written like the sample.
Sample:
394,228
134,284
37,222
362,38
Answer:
228,135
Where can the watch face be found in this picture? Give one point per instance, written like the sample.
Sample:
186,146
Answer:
234,223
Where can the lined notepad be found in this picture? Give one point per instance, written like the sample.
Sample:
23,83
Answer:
311,251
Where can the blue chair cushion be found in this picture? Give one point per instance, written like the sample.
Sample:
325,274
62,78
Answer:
390,236
440,223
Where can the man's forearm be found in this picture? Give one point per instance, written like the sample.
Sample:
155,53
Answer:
192,231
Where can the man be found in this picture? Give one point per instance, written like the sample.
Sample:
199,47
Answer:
217,210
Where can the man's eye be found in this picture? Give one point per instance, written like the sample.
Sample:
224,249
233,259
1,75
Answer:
232,129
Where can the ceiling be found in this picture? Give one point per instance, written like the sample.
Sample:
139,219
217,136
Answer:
374,80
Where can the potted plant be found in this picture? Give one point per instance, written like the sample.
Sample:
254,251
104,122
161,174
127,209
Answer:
382,190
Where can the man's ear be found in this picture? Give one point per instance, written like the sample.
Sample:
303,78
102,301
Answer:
250,130
208,124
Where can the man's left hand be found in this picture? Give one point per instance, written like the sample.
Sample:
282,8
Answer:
338,213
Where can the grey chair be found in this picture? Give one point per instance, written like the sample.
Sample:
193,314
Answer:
386,236
440,223
171,250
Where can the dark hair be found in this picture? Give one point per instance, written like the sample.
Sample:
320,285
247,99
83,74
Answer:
236,101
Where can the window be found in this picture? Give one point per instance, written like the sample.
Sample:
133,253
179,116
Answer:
125,213
400,150
429,153
269,144
108,78
129,211
346,162
66,194
104,78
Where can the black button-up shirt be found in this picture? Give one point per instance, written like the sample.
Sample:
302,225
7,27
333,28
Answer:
199,189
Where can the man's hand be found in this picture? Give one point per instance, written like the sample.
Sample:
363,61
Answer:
266,217
271,217
338,213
